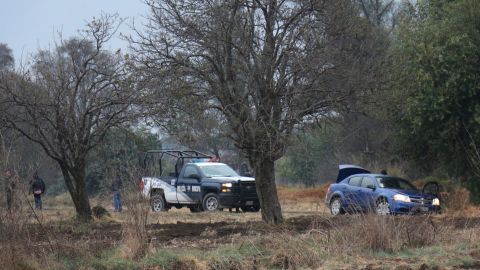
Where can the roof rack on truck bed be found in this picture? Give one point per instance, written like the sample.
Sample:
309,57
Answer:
180,155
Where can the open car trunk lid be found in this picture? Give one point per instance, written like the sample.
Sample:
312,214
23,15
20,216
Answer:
345,170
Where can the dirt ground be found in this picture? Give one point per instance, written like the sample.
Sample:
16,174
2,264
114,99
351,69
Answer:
181,229
178,229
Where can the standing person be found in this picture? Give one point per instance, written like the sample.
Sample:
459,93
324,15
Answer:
10,185
38,189
117,185
245,170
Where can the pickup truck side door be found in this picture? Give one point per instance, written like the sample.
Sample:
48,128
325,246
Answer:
189,185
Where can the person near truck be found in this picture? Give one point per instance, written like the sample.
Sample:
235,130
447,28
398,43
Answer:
10,180
245,170
117,185
38,189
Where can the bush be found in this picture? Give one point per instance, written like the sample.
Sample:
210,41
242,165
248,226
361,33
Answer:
456,198
100,212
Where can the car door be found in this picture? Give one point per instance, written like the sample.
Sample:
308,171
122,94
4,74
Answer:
431,188
366,193
189,185
352,193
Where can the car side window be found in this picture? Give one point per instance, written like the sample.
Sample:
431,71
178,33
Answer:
367,182
355,181
190,171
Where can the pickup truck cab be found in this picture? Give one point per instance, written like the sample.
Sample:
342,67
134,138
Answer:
200,186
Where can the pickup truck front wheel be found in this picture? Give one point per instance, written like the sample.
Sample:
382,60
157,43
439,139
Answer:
211,202
158,203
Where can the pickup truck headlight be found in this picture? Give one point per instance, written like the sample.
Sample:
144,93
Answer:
226,187
401,198
436,201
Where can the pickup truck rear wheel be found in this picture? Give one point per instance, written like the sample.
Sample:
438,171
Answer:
211,202
158,203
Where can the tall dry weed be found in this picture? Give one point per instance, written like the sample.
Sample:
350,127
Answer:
134,227
456,198
383,233
19,227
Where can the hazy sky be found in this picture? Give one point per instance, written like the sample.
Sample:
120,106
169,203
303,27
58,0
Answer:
26,25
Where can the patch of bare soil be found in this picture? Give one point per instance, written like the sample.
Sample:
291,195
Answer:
181,234
201,235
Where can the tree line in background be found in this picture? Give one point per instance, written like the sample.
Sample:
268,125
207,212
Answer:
294,87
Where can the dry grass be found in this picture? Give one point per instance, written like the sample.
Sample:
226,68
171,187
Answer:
384,233
302,200
17,250
296,194
134,227
317,241
293,251
457,198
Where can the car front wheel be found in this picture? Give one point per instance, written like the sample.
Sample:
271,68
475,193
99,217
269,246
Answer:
336,207
383,208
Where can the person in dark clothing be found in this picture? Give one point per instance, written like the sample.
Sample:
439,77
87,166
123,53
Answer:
245,170
117,185
10,185
38,189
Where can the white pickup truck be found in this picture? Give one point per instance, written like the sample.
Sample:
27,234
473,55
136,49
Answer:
201,186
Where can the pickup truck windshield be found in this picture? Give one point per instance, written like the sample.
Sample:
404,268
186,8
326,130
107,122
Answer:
395,183
216,170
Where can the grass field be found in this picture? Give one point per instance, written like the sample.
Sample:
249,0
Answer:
178,239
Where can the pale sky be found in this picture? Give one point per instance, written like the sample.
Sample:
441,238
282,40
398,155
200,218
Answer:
26,25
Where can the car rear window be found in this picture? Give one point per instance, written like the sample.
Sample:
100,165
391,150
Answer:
355,181
395,183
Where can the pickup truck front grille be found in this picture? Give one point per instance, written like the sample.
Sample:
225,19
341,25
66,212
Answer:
248,188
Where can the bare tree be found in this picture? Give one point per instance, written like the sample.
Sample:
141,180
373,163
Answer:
198,128
6,57
380,13
68,101
267,65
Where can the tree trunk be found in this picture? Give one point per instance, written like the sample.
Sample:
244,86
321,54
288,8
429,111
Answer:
75,182
267,191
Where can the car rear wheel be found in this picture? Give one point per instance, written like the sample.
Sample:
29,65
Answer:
336,206
158,203
383,208
211,202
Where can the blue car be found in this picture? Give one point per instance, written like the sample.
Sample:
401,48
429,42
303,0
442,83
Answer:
358,190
